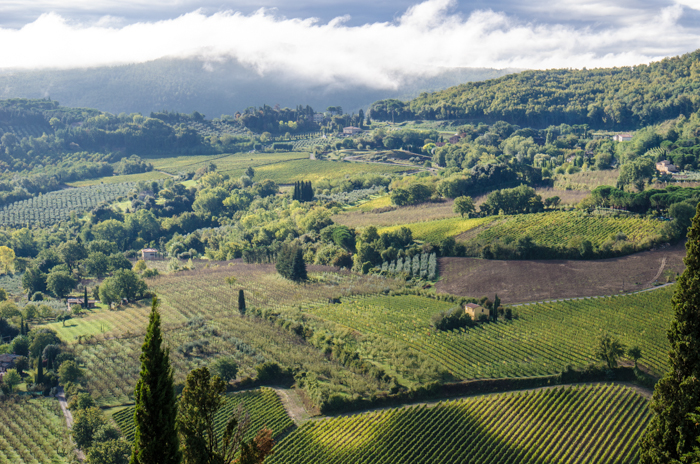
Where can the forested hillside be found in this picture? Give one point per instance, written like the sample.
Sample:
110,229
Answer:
611,98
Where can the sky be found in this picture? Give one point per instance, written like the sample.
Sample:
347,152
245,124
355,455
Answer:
378,44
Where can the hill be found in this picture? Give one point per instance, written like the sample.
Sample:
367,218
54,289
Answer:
611,98
187,85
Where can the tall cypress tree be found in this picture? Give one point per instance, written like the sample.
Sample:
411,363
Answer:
241,301
156,440
671,432
298,266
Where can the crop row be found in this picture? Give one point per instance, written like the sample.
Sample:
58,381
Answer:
57,206
33,431
560,425
263,406
558,228
543,339
24,130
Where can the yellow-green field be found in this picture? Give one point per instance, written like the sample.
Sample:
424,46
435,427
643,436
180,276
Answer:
436,231
232,164
147,176
310,170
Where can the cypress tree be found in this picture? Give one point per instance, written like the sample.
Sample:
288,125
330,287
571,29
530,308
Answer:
241,301
156,440
40,370
672,433
85,299
284,262
298,266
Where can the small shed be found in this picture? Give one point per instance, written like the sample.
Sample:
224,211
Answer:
149,253
7,361
475,310
351,130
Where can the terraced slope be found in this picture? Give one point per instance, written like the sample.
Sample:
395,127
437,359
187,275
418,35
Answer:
582,424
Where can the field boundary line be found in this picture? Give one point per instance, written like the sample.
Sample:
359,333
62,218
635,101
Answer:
61,396
593,297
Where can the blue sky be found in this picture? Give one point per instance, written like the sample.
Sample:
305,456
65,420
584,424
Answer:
377,43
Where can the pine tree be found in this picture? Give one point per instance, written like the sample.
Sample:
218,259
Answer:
156,440
671,432
241,301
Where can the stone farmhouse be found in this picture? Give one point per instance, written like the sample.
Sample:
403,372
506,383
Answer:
666,167
475,310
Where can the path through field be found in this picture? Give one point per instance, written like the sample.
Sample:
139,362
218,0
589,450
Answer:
69,417
293,404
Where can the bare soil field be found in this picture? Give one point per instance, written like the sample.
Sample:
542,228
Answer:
524,281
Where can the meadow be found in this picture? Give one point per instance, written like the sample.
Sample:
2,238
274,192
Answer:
33,431
54,207
597,423
263,406
542,339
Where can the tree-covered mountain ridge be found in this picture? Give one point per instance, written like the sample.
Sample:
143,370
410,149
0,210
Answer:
619,98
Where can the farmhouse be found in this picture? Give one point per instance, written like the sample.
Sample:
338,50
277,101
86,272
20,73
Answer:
622,137
351,130
149,253
474,310
454,139
666,167
79,301
7,361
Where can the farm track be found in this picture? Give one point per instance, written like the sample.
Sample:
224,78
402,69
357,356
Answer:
61,396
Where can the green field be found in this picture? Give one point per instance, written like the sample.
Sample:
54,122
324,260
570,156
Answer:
558,228
550,229
34,431
437,231
596,424
542,340
264,407
310,170
232,164
146,176
57,206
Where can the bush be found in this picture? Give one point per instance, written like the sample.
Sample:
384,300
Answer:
271,372
38,296
226,368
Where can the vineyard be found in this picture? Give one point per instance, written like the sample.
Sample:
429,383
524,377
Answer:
33,431
558,228
126,178
437,231
600,423
264,407
543,338
25,130
55,207
201,323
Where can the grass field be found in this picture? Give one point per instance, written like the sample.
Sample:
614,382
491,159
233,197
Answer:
147,176
437,231
315,170
263,405
522,280
34,431
543,338
232,164
597,424
369,214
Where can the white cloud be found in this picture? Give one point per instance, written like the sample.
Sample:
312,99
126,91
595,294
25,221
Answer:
427,37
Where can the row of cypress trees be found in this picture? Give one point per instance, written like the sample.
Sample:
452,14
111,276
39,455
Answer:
303,191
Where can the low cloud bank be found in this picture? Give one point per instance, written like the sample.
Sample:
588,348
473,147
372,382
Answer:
427,38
